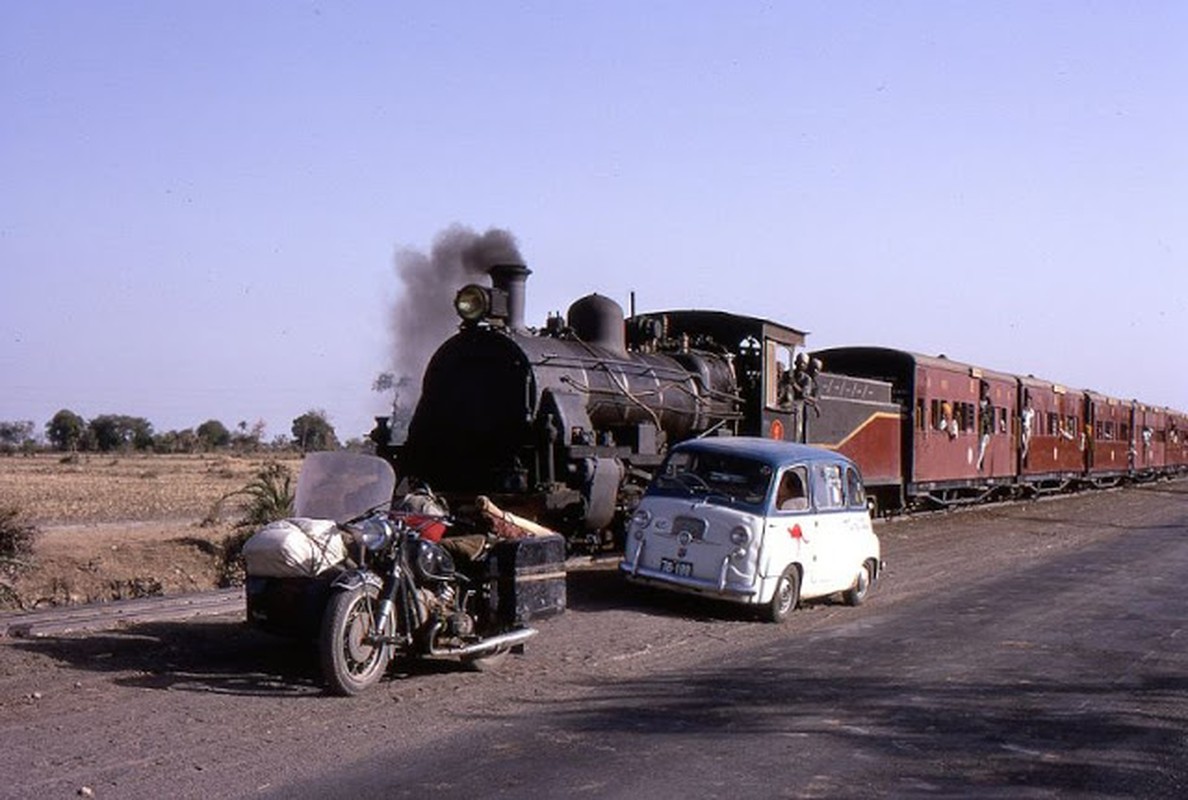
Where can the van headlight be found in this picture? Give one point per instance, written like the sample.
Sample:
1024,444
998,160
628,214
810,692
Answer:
640,520
740,536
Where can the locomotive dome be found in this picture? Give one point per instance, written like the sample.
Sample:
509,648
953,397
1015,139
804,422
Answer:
598,320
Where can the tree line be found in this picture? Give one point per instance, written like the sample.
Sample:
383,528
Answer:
69,432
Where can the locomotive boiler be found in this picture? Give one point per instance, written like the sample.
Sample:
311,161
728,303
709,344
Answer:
564,424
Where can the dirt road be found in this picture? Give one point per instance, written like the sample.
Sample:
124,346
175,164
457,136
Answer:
209,709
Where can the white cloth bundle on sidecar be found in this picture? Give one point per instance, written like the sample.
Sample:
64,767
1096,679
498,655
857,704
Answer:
294,548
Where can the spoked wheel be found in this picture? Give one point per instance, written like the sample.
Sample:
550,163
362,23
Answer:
786,597
857,593
351,661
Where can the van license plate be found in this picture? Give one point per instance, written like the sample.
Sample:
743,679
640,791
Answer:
682,569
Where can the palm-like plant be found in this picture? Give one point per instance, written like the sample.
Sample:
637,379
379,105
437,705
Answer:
269,495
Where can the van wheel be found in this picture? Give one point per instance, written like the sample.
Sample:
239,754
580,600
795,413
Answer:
787,595
861,588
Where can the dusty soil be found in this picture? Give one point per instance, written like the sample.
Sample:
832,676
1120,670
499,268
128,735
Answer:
124,526
212,709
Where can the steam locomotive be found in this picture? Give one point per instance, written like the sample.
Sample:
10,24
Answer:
567,424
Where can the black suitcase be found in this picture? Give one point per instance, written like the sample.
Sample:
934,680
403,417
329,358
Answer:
530,575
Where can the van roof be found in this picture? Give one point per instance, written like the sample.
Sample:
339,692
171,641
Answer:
770,451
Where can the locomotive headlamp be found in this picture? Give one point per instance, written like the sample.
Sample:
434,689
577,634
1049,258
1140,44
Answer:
473,302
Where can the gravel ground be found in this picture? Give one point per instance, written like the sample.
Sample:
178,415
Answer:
211,709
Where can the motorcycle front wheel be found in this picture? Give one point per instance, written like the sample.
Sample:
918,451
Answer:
351,662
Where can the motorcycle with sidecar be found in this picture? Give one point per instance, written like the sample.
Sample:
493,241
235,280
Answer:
371,582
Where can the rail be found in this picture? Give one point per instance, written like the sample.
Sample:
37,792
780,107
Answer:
59,620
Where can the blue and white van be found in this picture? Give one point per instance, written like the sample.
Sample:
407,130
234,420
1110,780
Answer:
755,521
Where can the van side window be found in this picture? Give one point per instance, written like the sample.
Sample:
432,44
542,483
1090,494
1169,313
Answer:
792,491
828,490
855,495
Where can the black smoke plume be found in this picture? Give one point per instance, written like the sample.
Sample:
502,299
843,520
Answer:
424,314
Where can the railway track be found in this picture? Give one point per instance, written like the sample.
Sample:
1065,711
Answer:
119,613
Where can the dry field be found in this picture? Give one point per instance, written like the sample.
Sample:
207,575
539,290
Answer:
123,526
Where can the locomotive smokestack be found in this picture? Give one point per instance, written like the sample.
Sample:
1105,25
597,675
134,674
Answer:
510,279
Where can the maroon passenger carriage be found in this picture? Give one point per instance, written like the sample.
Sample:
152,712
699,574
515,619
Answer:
957,443
1149,432
1051,447
971,434
1107,439
1176,451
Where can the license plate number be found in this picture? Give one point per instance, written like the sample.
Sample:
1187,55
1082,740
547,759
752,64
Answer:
682,569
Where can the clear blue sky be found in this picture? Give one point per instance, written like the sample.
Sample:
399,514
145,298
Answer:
201,202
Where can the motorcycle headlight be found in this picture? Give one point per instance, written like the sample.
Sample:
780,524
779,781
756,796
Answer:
472,302
375,533
740,536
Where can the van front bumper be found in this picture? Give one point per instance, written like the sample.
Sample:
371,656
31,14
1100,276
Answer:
655,577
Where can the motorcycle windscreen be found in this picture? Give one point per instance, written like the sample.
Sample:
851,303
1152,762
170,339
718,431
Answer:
341,486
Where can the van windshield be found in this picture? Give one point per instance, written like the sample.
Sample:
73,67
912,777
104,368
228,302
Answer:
720,478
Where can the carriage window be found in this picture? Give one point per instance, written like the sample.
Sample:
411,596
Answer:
828,491
967,417
921,420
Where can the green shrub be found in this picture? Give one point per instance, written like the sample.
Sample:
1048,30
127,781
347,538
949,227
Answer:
269,498
17,537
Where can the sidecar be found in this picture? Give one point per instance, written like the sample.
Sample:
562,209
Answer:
291,565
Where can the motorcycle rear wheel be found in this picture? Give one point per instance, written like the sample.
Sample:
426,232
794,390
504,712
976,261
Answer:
351,664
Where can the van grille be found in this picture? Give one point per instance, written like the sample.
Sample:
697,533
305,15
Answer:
690,525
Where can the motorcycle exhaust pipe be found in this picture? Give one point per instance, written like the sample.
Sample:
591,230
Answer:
503,640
